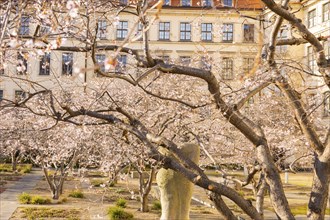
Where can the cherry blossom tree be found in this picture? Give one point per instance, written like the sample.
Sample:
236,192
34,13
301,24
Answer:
164,104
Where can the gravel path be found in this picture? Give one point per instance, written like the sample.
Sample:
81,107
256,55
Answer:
8,199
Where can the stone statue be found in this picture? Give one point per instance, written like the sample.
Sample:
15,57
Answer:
175,189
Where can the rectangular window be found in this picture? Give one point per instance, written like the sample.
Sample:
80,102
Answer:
2,62
44,30
185,3
311,59
1,95
206,32
123,2
326,12
121,65
185,60
312,18
206,64
102,29
164,30
166,3
228,3
67,63
248,65
44,69
185,31
227,68
282,35
22,63
326,104
227,33
122,30
248,33
24,26
207,3
326,46
139,31
19,95
100,58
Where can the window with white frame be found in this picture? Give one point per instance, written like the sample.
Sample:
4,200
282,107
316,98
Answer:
121,64
122,30
228,3
24,26
2,62
185,31
326,46
102,29
206,63
164,30
1,95
206,33
44,30
44,68
227,32
19,95
185,3
166,2
312,18
326,12
227,68
248,31
311,59
139,32
248,64
100,59
185,60
67,63
326,104
207,3
22,63
282,35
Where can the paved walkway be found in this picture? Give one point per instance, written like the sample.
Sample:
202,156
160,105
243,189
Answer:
8,199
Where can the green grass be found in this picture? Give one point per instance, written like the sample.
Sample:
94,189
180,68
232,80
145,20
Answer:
25,198
22,168
40,213
97,182
117,213
156,205
302,210
121,203
38,200
76,194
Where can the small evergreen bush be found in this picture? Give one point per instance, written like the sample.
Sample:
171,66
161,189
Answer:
121,203
117,213
24,198
38,200
156,206
76,194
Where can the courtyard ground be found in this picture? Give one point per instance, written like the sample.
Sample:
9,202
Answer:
98,199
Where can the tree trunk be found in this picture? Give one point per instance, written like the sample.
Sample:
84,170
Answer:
221,206
56,193
260,196
273,179
14,162
144,203
320,189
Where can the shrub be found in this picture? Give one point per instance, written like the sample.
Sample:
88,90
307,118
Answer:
38,200
156,206
117,213
26,168
121,203
97,182
24,198
76,194
63,200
